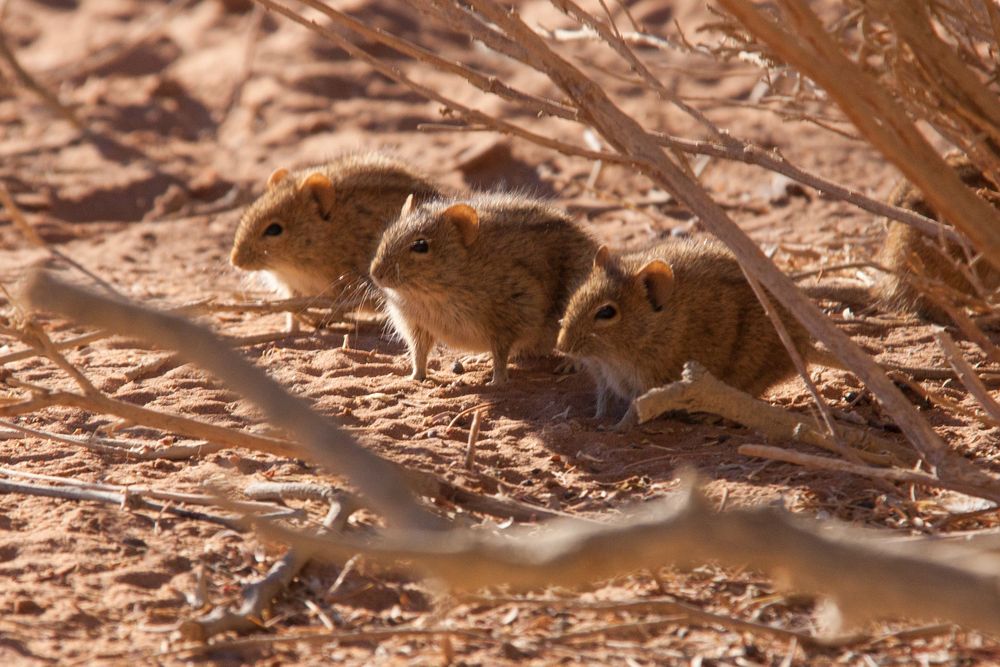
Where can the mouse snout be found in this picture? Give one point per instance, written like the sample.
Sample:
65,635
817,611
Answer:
377,271
562,342
240,257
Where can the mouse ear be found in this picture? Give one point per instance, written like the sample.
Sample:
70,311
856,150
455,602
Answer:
321,189
657,278
407,206
602,258
465,219
277,176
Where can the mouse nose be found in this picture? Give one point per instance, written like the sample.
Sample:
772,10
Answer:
562,342
375,270
236,258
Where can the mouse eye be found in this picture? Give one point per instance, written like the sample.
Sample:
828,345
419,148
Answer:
273,229
606,312
420,245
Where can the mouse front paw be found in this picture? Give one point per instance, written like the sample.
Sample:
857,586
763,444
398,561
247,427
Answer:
498,380
629,421
567,366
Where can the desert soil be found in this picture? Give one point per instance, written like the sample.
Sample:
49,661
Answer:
202,111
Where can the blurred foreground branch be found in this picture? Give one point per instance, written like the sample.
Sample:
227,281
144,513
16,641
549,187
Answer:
863,576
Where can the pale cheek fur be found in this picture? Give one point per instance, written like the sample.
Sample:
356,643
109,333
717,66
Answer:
399,324
265,280
300,280
620,378
442,318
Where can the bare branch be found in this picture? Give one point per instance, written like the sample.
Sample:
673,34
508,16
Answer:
628,137
258,596
836,465
117,499
379,480
919,581
876,115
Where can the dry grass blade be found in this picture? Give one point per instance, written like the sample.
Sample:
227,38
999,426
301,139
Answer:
135,491
140,451
470,450
191,428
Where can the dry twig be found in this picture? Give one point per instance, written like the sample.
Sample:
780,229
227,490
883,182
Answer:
699,391
836,465
258,596
118,499
470,451
967,375
807,46
389,492
918,582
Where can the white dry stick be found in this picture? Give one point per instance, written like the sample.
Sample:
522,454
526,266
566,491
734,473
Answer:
865,579
700,391
470,452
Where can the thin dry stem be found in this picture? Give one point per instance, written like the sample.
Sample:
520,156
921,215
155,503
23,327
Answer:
470,451
836,465
967,375
117,499
257,597
876,115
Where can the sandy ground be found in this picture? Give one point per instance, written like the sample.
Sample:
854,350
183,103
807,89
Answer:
199,132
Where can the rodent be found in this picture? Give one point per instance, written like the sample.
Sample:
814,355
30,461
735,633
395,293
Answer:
491,272
639,316
315,230
907,250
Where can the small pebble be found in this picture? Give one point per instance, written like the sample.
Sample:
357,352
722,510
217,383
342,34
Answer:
457,368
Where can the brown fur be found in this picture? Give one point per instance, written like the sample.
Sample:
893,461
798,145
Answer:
332,217
496,285
707,312
907,250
